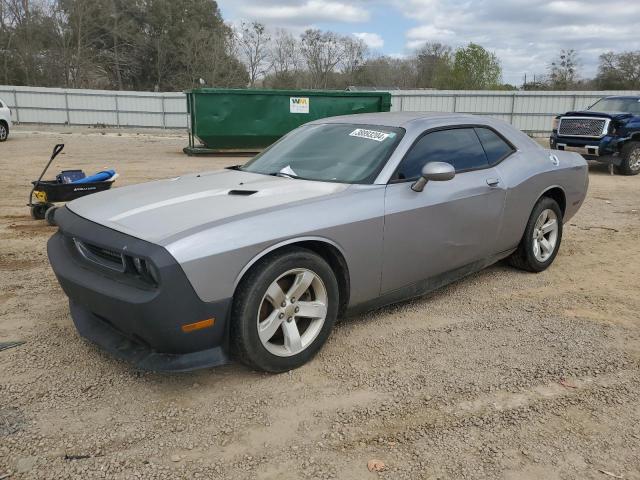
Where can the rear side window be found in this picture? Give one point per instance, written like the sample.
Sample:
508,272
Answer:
1,105
460,147
494,146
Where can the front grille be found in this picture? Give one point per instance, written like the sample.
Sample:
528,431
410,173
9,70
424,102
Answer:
102,256
583,127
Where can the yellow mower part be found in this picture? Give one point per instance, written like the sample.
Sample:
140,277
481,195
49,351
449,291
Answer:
41,196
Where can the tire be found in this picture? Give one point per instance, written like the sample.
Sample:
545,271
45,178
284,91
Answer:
531,255
49,215
38,210
254,315
4,131
630,155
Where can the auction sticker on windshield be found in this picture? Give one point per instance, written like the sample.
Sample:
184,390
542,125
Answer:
371,134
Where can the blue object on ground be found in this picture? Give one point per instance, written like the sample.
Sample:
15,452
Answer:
98,177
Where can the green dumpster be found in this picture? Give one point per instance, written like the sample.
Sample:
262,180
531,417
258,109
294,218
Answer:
242,120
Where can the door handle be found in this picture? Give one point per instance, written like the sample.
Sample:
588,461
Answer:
492,182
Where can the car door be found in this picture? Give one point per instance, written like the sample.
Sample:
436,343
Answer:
450,224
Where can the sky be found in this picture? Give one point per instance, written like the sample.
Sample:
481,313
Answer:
525,34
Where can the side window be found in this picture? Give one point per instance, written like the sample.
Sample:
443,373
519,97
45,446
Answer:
494,146
459,146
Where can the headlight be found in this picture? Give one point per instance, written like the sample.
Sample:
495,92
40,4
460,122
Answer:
146,270
555,123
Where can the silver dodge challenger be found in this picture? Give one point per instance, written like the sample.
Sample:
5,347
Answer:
340,216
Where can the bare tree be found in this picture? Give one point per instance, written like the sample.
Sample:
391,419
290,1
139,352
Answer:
433,65
354,53
389,72
284,53
322,52
563,71
253,42
619,71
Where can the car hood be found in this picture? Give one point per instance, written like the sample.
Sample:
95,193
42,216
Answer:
591,113
167,208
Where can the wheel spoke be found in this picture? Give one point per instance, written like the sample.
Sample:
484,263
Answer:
292,340
300,284
269,326
546,246
275,295
549,226
536,248
311,310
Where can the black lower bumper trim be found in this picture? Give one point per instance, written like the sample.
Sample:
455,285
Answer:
99,332
117,310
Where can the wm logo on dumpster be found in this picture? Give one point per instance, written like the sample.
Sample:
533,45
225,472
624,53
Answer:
298,104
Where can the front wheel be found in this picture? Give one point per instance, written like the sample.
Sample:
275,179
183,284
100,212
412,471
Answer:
630,156
542,236
283,310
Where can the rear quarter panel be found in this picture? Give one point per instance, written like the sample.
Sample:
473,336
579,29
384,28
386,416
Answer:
528,175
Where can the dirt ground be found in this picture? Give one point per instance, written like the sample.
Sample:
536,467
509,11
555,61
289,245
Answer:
503,375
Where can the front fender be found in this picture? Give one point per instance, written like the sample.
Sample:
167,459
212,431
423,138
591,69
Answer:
284,243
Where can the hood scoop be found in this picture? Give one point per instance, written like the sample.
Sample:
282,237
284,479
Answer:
242,193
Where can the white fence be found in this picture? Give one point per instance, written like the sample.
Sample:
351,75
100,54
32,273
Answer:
531,112
95,107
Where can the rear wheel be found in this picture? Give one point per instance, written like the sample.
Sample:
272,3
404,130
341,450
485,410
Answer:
283,310
541,240
630,156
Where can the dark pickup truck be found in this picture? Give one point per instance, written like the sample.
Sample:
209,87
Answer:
608,131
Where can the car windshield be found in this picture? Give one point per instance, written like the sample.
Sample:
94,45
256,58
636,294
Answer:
330,152
627,105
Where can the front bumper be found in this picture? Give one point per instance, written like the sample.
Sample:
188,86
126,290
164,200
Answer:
127,317
604,150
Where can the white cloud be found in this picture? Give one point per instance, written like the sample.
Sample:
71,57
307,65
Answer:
428,33
372,40
526,34
309,11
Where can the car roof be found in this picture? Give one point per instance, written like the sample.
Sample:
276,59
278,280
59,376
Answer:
624,97
415,123
399,119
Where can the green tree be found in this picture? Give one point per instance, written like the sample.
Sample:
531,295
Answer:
188,41
474,68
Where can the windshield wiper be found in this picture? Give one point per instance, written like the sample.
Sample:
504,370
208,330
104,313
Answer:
286,172
284,175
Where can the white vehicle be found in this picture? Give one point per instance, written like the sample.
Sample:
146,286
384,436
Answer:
5,120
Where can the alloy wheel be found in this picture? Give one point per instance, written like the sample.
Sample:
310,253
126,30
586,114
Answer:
634,159
292,312
3,132
545,235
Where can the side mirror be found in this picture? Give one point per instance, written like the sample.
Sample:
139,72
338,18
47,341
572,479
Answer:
436,172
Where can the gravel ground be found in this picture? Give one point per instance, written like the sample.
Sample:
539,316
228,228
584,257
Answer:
502,375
